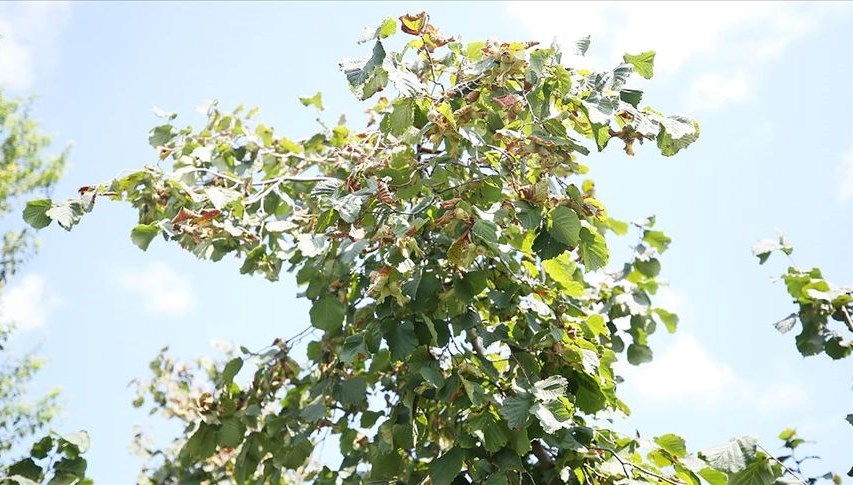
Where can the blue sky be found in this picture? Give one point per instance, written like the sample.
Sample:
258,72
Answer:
769,83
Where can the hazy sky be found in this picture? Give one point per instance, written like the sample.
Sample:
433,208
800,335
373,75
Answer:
769,83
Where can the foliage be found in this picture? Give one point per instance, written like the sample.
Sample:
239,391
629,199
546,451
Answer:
824,313
24,172
820,304
54,459
19,418
463,324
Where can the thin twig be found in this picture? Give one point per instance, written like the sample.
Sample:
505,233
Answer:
847,320
639,468
787,470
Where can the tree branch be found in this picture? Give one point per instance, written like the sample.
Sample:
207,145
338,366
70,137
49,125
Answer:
847,320
639,468
785,467
542,454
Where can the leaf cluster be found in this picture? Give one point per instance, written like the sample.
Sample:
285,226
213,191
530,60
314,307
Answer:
464,323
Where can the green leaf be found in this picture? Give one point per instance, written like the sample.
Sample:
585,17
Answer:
230,370
733,456
80,439
529,215
650,268
714,477
546,247
561,269
161,135
366,76
328,313
250,264
765,247
673,444
353,392
401,339
474,391
849,419
387,28
26,468
492,431
295,456
582,45
676,133
143,234
470,285
618,227
68,471
550,389
516,410
315,101
644,63
631,96
423,289
42,447
67,213
349,207
669,319
553,416
402,117
354,347
565,226
787,434
758,472
35,213
446,467
220,197
313,411
201,445
593,249
596,324
639,354
230,433
384,465
657,240
485,231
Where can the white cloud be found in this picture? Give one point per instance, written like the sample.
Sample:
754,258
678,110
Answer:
781,396
712,91
845,187
678,32
686,371
738,35
28,41
672,299
160,288
27,303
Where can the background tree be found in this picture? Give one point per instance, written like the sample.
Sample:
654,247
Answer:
463,326
824,312
26,171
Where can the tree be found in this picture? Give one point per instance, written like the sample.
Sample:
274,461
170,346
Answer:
25,171
463,325
823,311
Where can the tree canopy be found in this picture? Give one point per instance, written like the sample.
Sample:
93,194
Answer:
25,171
466,315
